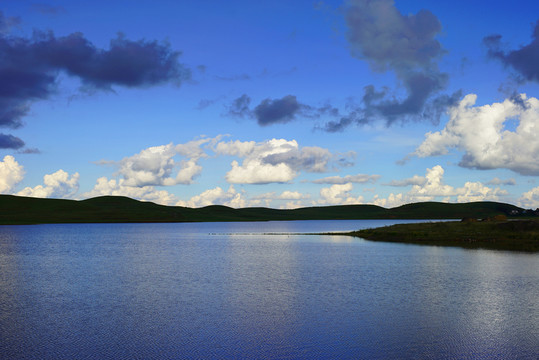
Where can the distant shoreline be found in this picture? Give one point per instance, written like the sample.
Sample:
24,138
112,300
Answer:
18,210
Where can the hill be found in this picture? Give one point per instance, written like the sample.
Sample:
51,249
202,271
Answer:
114,209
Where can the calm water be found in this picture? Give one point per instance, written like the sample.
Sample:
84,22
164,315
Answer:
230,290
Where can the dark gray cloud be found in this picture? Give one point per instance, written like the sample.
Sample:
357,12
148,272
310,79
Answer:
342,123
269,111
240,107
274,111
277,111
525,61
10,142
126,63
29,67
405,44
309,158
388,40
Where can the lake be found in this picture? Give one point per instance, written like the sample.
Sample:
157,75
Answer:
245,290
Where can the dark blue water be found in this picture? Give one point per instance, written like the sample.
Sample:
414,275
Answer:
225,290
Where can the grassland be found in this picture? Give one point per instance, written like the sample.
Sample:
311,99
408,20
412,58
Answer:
115,209
514,235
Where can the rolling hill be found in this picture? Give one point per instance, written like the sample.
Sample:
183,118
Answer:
116,209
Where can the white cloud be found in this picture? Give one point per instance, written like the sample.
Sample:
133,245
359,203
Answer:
56,185
434,188
156,165
11,173
266,199
393,200
475,191
272,161
292,195
114,187
339,194
254,172
480,131
216,196
293,205
235,148
530,199
358,179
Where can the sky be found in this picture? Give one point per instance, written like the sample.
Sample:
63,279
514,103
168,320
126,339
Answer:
280,104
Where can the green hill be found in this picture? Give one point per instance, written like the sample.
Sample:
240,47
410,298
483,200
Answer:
25,210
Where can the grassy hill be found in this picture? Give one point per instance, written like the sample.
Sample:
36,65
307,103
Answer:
25,210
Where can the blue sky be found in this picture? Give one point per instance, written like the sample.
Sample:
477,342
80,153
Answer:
271,103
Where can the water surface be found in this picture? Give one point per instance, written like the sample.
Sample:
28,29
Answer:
229,290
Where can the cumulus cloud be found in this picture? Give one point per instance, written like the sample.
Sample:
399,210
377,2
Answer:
236,148
525,61
155,165
434,188
405,44
479,131
30,67
115,187
393,200
275,160
476,191
339,194
11,173
216,196
530,199
292,195
56,185
358,179
295,199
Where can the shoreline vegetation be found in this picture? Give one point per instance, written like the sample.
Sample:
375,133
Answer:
520,232
493,234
